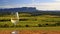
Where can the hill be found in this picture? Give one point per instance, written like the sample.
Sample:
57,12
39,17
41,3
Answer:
30,10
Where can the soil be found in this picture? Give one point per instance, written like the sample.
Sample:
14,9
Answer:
30,32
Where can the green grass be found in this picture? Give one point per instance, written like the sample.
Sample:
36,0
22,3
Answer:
42,19
33,28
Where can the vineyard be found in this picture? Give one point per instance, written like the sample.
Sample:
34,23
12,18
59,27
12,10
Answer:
28,24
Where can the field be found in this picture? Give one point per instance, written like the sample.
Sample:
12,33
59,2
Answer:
32,20
33,24
31,30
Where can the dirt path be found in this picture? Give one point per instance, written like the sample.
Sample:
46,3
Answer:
31,32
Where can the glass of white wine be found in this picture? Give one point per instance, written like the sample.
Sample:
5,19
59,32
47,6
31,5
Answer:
15,20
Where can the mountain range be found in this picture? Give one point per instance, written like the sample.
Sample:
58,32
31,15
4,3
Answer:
31,10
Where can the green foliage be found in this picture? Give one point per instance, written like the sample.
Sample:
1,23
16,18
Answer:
32,21
39,25
5,25
27,25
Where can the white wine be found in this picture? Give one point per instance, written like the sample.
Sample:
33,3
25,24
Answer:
15,19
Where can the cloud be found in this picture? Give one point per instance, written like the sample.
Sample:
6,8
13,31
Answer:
56,0
17,5
8,6
49,6
39,6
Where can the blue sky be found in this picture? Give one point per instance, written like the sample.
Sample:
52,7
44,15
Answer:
5,2
39,4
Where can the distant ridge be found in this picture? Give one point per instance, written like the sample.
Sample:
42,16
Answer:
31,10
22,9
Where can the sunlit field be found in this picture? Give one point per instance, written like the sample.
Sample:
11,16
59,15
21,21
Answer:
31,20
49,24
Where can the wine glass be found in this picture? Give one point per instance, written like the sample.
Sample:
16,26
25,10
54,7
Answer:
15,20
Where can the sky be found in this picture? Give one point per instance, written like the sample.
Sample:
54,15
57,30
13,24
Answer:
39,4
